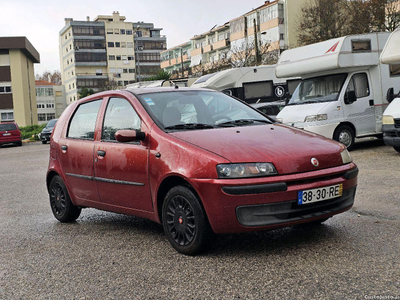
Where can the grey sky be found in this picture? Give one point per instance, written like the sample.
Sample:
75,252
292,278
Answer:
41,21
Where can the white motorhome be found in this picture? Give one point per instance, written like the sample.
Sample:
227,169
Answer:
250,84
391,116
343,90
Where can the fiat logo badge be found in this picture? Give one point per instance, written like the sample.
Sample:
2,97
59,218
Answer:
315,162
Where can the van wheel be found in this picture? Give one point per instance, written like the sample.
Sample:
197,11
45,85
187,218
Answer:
44,142
62,207
184,221
345,134
397,149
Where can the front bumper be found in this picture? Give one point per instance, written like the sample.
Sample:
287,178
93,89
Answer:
45,136
244,205
326,130
391,135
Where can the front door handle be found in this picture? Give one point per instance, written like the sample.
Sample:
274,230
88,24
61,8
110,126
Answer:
101,153
64,147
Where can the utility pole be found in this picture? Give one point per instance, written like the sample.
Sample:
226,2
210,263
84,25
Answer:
256,42
182,61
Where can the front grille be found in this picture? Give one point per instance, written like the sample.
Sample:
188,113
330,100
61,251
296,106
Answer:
397,123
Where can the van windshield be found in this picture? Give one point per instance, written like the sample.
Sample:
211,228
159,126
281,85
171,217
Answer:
318,89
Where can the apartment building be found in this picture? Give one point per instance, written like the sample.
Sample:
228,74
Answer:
50,99
177,59
17,80
100,54
273,25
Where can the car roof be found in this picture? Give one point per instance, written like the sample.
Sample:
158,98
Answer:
149,90
261,104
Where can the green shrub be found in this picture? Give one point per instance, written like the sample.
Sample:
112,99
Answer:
31,132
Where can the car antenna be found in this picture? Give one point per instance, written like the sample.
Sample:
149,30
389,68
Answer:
258,100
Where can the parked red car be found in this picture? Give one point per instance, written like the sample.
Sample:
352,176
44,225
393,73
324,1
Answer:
10,133
196,161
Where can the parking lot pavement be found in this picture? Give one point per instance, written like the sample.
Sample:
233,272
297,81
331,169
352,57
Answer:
110,256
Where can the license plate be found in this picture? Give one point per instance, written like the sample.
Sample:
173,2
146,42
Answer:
6,134
319,194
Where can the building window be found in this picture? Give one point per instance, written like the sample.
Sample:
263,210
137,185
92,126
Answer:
99,72
111,57
7,116
41,117
109,31
117,44
5,89
125,82
122,31
113,71
118,57
58,93
129,44
129,32
130,57
50,117
281,37
125,70
124,57
123,45
116,31
139,33
49,105
110,44
131,70
119,83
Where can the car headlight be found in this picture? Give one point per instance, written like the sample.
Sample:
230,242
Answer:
346,157
387,120
245,170
314,118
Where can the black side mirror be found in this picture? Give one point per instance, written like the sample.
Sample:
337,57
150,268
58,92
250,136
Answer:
126,136
390,95
350,97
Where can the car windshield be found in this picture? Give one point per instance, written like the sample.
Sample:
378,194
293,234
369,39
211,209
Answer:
51,123
7,127
318,89
192,110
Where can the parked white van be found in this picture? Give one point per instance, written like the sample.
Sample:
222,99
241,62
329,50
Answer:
250,84
343,90
391,116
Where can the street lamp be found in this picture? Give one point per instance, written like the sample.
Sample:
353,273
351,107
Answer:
137,49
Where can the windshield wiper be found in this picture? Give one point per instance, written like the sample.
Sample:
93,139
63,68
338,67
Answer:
190,126
242,122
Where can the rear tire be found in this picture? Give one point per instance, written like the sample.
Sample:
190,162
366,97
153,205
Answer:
397,149
60,202
44,142
19,144
185,222
345,134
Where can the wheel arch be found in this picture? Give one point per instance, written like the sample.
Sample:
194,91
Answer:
351,125
167,184
49,177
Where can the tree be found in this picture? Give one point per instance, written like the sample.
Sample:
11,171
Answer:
85,92
385,15
110,84
322,20
54,77
161,75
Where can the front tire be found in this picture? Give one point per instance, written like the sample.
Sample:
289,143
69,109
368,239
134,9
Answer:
60,202
345,134
184,221
44,142
397,149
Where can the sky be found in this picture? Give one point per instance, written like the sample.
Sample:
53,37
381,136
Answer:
41,21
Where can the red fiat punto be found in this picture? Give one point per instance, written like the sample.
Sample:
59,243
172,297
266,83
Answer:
196,161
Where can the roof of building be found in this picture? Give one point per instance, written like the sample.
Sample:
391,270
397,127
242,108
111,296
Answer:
44,82
21,43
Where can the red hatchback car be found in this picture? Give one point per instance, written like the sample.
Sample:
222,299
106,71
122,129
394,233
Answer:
10,133
196,161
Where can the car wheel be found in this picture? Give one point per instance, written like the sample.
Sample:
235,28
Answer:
63,209
44,142
184,221
397,149
345,134
19,144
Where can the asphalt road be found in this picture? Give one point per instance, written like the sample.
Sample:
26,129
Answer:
355,255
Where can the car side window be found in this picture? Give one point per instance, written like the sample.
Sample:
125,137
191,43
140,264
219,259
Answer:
83,122
359,84
119,115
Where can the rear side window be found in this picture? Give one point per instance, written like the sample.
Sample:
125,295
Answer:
119,115
83,122
8,127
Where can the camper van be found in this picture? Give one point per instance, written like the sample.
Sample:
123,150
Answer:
185,82
251,84
391,116
343,90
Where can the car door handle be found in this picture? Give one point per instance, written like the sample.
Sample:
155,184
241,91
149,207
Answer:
64,147
101,153
371,102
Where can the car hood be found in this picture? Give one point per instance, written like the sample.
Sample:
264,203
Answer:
289,149
297,113
47,130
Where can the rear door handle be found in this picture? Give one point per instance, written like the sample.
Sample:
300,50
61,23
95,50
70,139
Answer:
101,153
64,147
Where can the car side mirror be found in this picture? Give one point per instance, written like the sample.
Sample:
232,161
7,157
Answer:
350,97
390,95
126,136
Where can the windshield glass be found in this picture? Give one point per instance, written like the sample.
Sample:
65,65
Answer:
51,123
7,127
318,89
199,110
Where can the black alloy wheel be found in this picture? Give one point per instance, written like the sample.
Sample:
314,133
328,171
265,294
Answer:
60,202
184,221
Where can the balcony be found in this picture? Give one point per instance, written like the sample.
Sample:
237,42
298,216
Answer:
165,64
91,76
270,24
207,48
221,44
196,52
